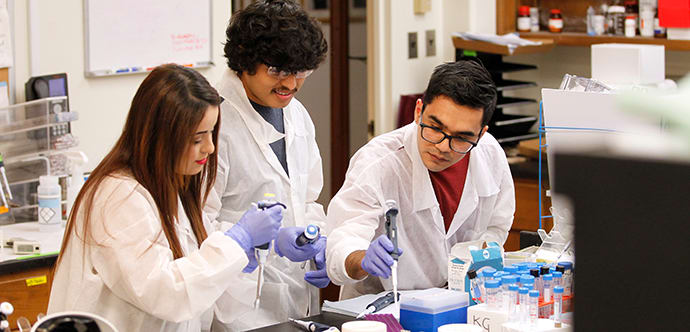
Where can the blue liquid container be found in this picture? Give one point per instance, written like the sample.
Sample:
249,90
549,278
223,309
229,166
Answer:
427,310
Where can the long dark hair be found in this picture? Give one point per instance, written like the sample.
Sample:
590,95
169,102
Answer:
165,112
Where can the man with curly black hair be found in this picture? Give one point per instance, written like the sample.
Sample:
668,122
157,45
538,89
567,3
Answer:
267,145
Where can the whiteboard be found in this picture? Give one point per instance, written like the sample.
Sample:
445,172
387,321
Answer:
130,36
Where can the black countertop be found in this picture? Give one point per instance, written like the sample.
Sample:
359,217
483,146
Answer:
329,318
20,265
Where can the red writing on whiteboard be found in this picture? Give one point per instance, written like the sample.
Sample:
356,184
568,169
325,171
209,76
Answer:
183,42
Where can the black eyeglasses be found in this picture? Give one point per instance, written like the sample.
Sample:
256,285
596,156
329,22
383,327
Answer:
435,135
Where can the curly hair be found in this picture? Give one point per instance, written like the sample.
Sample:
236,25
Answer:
467,83
277,33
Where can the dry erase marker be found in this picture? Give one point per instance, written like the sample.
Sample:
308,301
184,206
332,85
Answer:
122,70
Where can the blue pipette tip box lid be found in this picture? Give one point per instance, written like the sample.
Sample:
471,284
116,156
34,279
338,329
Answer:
429,309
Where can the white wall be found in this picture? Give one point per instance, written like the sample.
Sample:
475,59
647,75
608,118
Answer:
102,102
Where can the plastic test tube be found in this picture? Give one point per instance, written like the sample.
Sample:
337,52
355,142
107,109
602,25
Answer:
526,279
492,293
557,278
524,313
486,274
512,269
567,278
512,302
557,304
506,281
548,287
475,286
537,280
533,307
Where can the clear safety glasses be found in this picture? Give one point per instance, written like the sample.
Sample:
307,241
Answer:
435,135
281,74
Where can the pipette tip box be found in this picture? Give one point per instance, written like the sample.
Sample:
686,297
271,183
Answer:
428,310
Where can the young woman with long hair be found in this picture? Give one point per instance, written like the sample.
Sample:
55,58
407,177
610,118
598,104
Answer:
137,248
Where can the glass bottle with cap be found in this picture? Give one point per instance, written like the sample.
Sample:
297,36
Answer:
524,22
555,21
475,286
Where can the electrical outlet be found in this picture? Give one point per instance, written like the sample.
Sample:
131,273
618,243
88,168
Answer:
411,45
430,42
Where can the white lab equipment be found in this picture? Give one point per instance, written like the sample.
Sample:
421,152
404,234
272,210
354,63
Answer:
263,250
49,203
493,294
557,304
533,307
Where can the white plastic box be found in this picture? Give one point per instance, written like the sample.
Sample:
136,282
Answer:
622,64
490,320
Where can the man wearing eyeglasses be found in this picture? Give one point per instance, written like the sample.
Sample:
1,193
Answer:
449,177
267,146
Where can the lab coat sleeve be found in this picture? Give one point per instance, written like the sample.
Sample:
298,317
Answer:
504,210
353,217
135,262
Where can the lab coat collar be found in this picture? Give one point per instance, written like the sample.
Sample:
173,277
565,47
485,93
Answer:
423,195
232,90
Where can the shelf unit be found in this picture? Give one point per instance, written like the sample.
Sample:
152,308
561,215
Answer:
33,137
506,128
574,13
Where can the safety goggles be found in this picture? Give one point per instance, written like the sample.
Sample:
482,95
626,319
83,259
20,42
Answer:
282,74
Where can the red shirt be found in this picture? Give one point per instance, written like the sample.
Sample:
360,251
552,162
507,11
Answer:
448,185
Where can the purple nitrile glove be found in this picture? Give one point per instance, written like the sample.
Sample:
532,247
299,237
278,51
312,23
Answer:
377,260
287,246
319,278
255,228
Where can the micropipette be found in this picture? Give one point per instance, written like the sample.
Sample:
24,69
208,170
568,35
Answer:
379,304
392,232
313,326
262,250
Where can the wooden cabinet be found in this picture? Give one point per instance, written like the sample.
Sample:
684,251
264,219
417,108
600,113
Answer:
28,291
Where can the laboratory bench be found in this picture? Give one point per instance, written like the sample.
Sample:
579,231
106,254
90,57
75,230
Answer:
25,281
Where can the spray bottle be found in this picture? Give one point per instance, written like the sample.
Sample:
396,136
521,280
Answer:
78,159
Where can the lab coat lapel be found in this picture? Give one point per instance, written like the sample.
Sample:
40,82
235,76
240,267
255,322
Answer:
262,132
423,195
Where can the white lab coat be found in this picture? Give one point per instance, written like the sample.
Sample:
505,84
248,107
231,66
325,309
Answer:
247,169
127,273
390,167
